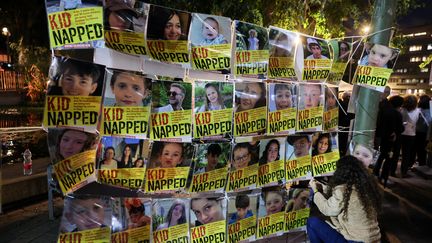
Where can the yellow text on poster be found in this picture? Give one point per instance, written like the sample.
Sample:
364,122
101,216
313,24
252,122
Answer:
130,178
71,111
214,57
243,178
127,121
163,179
242,230
170,124
311,118
75,26
211,232
271,224
209,181
250,121
325,164
99,235
281,67
178,233
175,51
271,172
211,123
296,219
331,120
75,170
140,234
336,72
127,42
251,62
282,121
298,168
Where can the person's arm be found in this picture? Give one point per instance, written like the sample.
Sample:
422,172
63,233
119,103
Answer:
331,206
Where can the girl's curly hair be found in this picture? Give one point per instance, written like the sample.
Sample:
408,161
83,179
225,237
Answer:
351,173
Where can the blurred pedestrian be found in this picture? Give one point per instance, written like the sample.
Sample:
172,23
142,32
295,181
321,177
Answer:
422,127
410,115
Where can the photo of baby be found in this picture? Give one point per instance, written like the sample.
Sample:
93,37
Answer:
377,55
207,30
170,154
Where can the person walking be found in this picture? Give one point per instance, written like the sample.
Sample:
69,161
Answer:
410,115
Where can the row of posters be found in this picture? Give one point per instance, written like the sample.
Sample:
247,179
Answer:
246,216
210,43
135,105
168,167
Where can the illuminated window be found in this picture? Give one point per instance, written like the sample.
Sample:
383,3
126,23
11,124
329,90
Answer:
415,59
420,34
415,48
422,81
424,70
408,35
429,46
424,58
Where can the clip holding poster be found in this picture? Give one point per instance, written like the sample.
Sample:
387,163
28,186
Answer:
127,104
310,107
73,154
124,25
282,108
171,116
375,66
73,24
283,45
74,94
167,35
210,38
251,50
213,110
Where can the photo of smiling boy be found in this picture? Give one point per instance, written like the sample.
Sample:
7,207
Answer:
71,77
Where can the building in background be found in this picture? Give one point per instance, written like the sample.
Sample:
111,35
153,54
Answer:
409,77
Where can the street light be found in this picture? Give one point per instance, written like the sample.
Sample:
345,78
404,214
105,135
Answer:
6,33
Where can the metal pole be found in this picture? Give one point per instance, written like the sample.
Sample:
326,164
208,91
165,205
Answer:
368,99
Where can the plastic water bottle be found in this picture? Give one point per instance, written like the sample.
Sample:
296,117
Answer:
27,164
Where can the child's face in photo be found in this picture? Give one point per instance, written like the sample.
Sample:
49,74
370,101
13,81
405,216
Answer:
172,29
330,99
172,155
139,163
250,96
212,95
177,212
274,203
129,90
242,158
241,212
77,85
311,96
118,22
87,213
323,145
301,200
272,152
363,154
210,29
379,55
109,154
207,211
283,99
301,147
212,160
71,143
